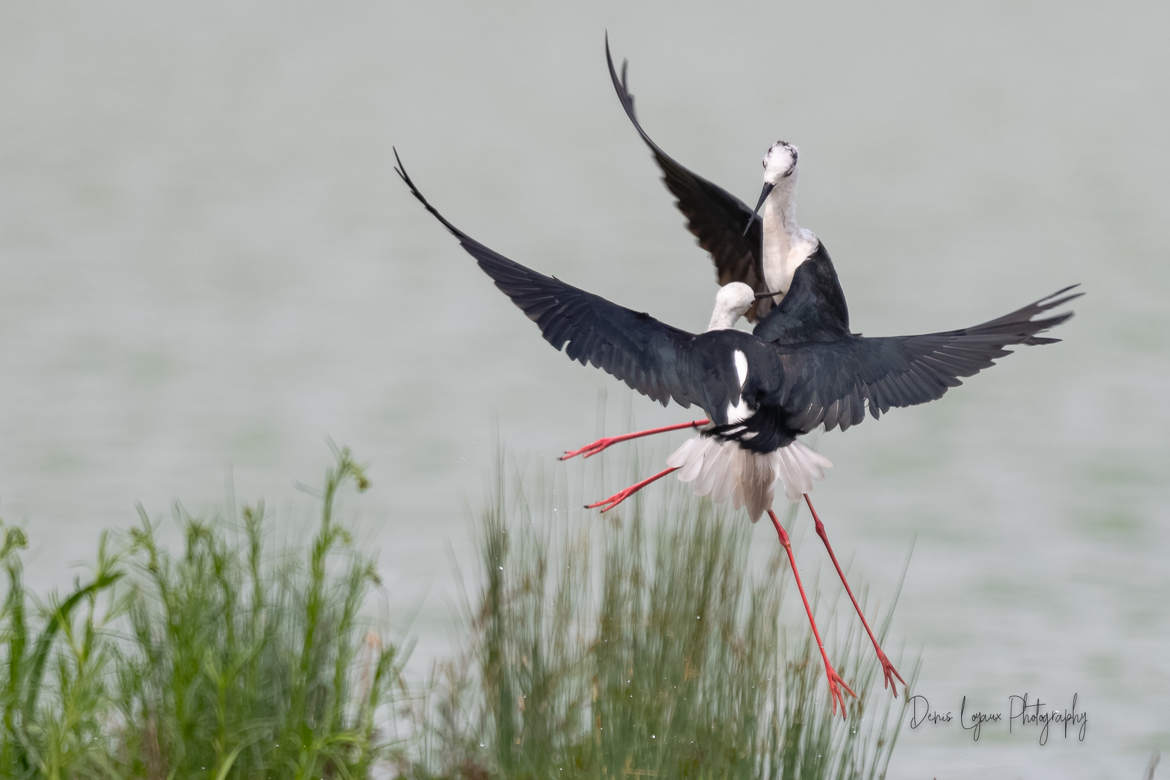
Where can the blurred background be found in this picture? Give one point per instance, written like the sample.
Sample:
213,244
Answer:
208,269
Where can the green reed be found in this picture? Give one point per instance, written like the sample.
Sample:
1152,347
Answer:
652,649
225,659
638,647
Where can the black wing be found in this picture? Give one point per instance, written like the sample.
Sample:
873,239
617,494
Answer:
655,359
812,309
833,383
714,216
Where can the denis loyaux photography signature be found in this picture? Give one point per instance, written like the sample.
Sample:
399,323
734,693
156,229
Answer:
1023,714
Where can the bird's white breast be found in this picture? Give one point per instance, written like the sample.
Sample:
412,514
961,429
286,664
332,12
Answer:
783,252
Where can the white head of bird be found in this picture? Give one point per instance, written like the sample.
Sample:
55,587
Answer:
731,302
779,178
780,164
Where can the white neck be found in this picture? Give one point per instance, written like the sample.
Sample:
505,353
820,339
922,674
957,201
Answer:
786,244
723,318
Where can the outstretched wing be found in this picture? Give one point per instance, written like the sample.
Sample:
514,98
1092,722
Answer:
655,359
714,216
833,383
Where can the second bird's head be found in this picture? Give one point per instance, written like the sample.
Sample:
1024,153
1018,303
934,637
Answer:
735,297
779,171
732,302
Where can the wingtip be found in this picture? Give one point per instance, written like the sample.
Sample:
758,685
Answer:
1050,300
1057,303
1048,323
1060,298
609,61
620,82
399,168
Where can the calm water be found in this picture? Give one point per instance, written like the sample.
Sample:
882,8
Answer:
207,268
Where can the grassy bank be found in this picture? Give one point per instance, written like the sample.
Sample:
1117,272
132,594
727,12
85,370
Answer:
630,650
221,659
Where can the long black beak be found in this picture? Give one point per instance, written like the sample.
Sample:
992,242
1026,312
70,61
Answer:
763,197
766,295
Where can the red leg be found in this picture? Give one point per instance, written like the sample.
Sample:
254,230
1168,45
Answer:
835,681
621,496
887,668
589,450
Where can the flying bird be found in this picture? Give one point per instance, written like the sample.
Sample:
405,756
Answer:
800,369
762,252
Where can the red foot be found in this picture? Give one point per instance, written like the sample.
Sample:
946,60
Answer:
890,673
609,503
591,449
620,496
835,686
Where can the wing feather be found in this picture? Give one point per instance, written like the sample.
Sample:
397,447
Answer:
651,357
714,216
830,384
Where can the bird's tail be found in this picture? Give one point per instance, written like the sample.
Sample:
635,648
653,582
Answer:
726,472
799,466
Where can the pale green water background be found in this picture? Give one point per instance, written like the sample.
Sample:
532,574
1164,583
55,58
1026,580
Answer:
207,266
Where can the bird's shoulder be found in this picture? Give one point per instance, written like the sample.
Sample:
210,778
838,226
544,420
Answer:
813,308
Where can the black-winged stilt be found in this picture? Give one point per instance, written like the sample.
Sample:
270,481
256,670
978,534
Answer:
801,368
763,252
